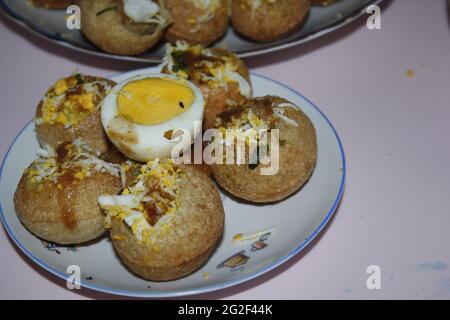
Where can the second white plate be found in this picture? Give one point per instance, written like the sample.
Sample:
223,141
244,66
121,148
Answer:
51,25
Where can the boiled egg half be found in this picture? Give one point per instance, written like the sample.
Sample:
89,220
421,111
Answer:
146,116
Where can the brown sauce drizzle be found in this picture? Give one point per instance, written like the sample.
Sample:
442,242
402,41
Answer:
151,214
66,193
61,152
229,115
66,198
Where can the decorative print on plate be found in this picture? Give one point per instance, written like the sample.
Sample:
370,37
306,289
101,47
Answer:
53,247
235,262
261,244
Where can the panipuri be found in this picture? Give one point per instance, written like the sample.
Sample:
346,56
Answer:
295,150
124,27
268,20
197,21
167,224
56,198
222,77
70,109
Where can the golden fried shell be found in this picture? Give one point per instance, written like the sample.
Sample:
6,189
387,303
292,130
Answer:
200,66
195,230
64,214
297,157
195,24
268,20
105,25
70,111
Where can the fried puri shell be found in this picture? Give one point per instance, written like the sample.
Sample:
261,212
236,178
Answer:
197,227
297,159
109,30
68,214
89,130
186,26
273,20
217,98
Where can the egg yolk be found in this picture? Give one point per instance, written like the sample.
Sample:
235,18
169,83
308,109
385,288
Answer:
153,101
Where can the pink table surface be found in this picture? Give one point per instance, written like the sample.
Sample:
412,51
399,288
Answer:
395,129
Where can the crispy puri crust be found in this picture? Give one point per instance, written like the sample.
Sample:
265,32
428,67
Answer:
208,32
216,101
90,130
43,212
216,97
197,227
271,21
297,161
108,32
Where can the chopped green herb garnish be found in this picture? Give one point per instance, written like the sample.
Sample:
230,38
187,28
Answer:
79,77
178,61
106,10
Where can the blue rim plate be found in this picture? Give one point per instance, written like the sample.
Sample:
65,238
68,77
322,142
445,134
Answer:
298,220
51,25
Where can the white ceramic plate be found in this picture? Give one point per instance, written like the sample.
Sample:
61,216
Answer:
51,25
290,224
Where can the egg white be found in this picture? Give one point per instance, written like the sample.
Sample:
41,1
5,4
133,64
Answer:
151,143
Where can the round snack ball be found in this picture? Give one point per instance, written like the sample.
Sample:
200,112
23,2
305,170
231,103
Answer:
70,110
197,24
297,151
268,20
203,67
57,200
181,241
104,23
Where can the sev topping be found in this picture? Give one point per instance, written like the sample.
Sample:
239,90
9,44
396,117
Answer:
209,8
205,65
75,159
251,125
248,122
147,206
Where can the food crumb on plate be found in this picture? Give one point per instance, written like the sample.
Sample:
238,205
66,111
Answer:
410,73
